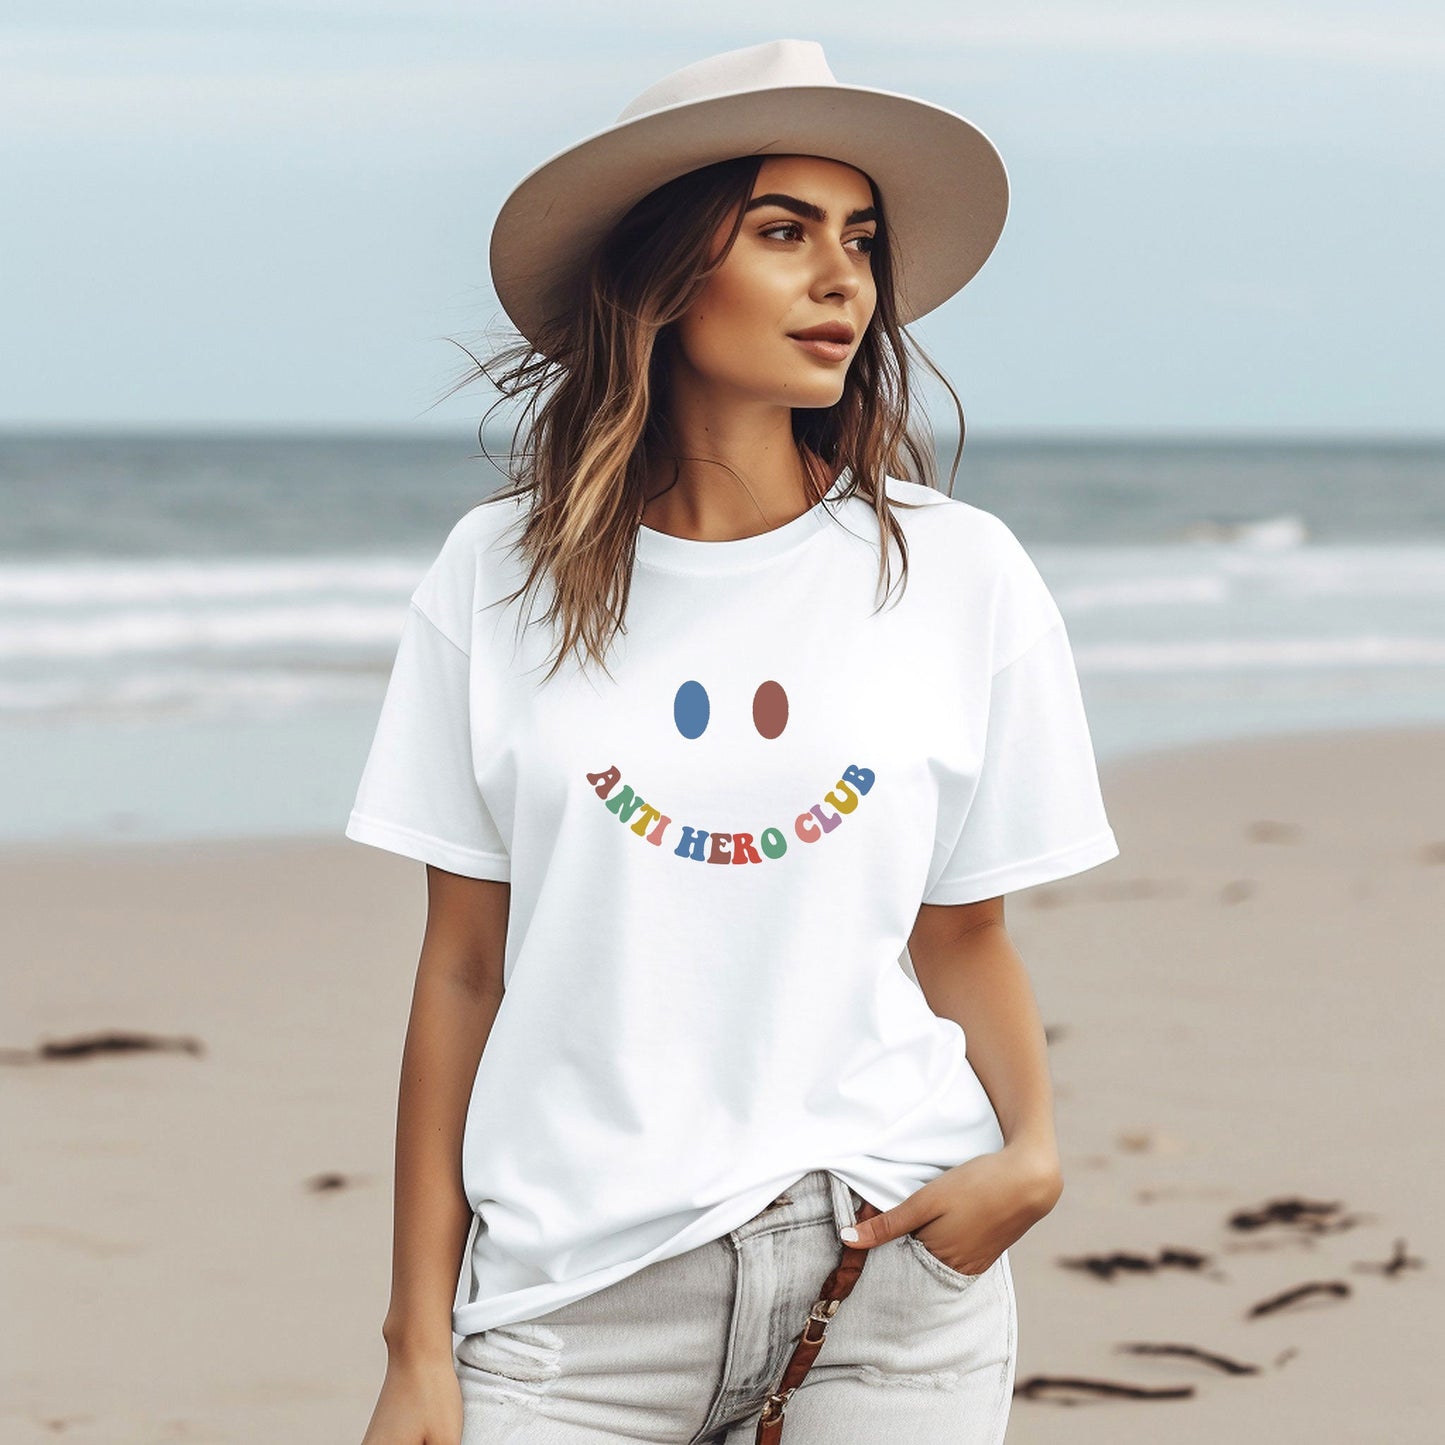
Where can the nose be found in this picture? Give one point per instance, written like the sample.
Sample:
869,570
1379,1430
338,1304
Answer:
837,273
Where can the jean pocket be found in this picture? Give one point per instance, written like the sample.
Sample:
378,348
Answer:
935,1266
522,1356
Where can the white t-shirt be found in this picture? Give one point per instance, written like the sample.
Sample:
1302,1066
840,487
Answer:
716,857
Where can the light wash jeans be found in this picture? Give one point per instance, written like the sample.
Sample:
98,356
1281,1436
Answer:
683,1351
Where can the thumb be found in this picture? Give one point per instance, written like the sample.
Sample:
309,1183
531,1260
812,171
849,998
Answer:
874,1226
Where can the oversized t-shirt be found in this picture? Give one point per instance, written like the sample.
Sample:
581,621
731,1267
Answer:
716,856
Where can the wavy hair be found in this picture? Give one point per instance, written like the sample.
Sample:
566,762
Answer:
595,420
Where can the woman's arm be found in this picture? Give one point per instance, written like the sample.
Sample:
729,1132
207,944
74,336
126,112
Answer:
458,991
970,972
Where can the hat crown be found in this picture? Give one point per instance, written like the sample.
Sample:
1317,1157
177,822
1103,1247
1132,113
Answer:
755,67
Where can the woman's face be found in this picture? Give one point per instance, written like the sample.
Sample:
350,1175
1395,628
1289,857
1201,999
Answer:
800,261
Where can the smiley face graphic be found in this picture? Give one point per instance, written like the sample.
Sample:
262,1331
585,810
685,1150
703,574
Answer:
691,709
691,713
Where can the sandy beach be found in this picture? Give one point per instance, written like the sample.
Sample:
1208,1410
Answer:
1245,1020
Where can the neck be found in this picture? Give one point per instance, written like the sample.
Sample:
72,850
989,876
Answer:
739,471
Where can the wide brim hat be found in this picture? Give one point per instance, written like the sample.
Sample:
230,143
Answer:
942,181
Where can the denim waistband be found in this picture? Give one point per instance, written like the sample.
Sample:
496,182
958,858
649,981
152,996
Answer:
818,1196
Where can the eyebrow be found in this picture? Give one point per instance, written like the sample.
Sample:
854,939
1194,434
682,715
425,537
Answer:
807,208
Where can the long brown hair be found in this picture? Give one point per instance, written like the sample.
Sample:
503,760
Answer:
595,420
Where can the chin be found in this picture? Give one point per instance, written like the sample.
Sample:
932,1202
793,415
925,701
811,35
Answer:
821,401
813,392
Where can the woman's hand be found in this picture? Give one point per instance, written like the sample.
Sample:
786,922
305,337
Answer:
420,1403
970,1214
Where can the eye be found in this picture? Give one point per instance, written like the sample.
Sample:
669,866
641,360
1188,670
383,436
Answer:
770,709
690,709
795,228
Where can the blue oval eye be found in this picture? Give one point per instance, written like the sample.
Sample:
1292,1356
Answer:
690,709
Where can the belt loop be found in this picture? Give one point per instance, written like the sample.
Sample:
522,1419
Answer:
845,1201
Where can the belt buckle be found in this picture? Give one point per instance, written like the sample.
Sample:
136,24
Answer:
773,1405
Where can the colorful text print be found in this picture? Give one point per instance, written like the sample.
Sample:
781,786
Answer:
703,845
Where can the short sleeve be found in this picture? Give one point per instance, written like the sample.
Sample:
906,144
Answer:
1037,812
418,794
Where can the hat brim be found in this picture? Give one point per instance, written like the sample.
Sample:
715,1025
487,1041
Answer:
943,184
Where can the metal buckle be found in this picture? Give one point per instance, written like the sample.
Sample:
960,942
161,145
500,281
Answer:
773,1405
819,1315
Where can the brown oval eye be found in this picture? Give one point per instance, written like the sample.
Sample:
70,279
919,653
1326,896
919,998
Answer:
770,709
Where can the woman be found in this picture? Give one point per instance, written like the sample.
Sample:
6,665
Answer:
665,1049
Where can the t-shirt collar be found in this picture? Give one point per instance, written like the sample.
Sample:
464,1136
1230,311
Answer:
687,554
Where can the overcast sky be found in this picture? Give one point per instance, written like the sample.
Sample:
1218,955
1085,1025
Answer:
1224,216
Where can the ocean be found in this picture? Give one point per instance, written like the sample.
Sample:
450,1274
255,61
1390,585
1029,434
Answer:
196,631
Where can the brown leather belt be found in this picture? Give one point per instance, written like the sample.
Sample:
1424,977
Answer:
810,1340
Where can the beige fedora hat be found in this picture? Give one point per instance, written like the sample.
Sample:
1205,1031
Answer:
943,183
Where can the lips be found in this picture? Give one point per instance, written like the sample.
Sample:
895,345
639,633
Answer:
829,331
